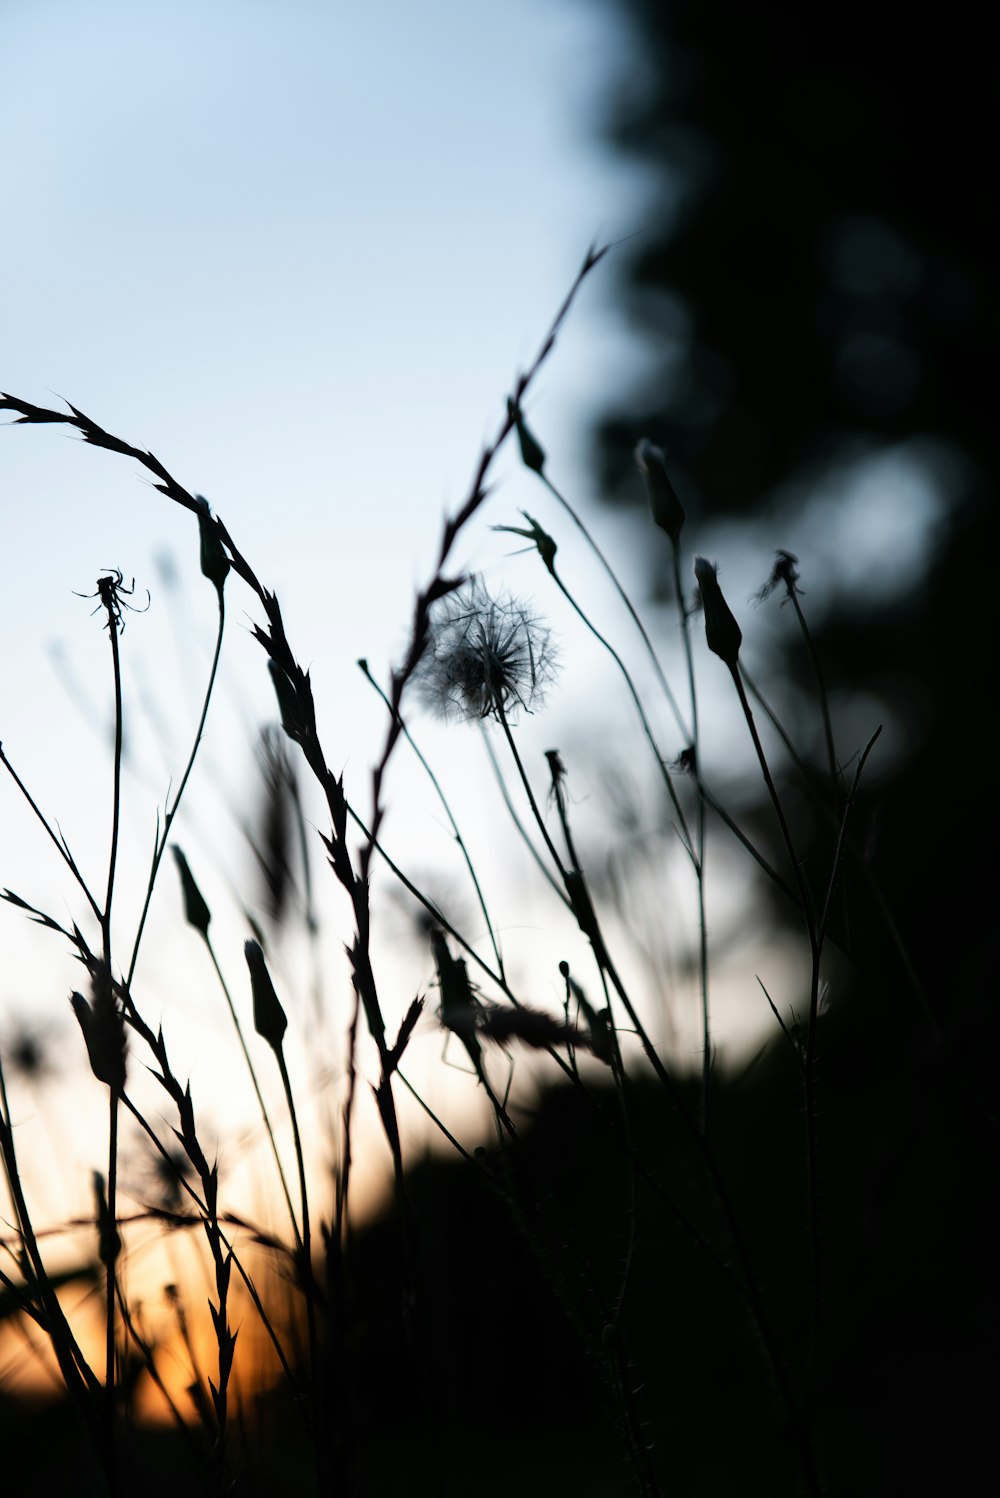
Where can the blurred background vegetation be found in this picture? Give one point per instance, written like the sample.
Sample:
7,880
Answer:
816,289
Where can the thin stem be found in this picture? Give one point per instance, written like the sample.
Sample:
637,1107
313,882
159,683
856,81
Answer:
520,1210
685,835
111,1244
171,811
838,852
623,595
699,867
721,1192
539,819
742,838
447,810
256,1087
149,1361
815,949
779,728
186,1186
805,899
824,702
59,842
116,799
77,1375
110,1251
519,825
306,1247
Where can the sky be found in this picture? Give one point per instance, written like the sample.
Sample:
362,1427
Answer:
300,252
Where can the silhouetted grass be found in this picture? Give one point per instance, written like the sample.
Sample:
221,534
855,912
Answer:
645,1283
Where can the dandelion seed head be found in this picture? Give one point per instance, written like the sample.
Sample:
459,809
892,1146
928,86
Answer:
486,657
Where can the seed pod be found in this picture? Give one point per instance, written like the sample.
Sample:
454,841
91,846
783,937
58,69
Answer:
214,562
532,452
723,634
270,1020
197,912
668,512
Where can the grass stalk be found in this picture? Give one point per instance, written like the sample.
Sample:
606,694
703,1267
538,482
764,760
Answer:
265,1116
815,949
170,812
446,806
110,601
701,845
352,869
619,588
306,1239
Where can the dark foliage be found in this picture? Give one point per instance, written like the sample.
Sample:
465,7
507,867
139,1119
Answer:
494,1390
816,275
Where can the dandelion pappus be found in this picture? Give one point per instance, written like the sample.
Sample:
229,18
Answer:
484,657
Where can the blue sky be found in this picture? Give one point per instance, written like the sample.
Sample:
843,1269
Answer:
300,252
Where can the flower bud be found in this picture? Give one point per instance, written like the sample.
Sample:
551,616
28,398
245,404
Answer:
269,1018
532,452
668,512
723,634
197,912
214,562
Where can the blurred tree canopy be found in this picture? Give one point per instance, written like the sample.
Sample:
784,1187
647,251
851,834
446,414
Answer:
814,278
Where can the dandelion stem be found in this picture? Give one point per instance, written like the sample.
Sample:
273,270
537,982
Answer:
522,772
518,824
447,810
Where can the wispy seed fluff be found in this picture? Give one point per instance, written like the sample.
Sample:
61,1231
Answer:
485,657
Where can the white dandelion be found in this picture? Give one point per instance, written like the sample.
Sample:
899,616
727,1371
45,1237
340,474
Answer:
485,657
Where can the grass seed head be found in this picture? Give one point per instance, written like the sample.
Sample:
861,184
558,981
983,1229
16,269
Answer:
288,703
